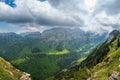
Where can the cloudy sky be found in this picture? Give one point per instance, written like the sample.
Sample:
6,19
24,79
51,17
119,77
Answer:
38,15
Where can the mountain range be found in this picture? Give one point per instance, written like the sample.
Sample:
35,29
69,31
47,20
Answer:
45,54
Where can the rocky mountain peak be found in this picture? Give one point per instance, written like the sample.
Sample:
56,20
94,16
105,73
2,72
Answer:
113,35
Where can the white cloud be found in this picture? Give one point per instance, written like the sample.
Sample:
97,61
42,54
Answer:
34,11
108,19
33,15
3,31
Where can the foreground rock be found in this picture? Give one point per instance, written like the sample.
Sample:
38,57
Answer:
114,76
25,76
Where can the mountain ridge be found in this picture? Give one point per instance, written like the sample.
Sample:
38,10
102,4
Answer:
100,57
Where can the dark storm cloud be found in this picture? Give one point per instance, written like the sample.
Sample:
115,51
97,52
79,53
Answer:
50,22
16,19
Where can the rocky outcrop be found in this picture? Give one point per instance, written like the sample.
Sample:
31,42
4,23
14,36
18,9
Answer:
8,71
112,35
25,76
114,75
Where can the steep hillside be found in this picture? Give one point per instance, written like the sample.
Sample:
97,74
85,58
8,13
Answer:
102,63
8,72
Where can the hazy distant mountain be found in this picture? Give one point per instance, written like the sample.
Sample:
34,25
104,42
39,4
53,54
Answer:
59,34
33,35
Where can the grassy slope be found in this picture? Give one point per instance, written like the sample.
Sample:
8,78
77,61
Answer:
108,65
8,72
98,66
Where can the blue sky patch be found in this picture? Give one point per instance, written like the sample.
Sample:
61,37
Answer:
9,2
8,27
42,0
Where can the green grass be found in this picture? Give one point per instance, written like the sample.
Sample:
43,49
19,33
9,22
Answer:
18,61
80,60
65,51
104,68
39,67
109,64
8,72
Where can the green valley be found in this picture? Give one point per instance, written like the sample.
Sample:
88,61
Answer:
45,54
